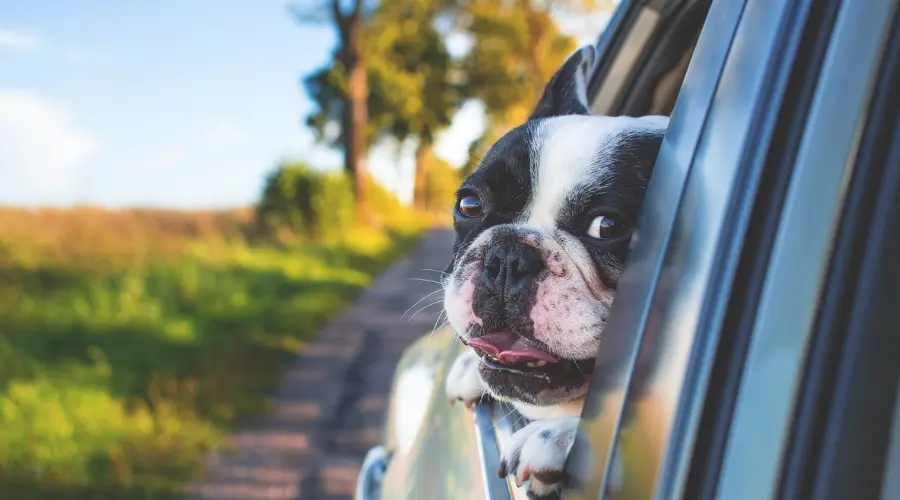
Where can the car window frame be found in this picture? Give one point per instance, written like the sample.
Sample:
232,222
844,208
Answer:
674,19
609,44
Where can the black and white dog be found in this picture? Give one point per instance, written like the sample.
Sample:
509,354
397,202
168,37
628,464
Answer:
542,228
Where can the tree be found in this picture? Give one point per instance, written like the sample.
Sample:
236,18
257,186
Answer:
347,80
517,46
410,74
413,78
438,177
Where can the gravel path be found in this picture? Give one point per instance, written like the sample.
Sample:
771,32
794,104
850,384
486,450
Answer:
331,405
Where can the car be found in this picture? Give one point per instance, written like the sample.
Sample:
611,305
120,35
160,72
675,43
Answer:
753,344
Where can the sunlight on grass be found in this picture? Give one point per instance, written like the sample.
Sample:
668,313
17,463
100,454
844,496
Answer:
120,367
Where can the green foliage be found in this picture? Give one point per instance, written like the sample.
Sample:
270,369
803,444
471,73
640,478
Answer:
409,70
415,86
517,46
119,369
410,77
301,201
441,182
298,199
324,88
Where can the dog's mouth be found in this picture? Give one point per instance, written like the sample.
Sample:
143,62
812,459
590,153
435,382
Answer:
508,352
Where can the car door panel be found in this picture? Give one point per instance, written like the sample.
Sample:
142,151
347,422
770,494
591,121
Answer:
433,446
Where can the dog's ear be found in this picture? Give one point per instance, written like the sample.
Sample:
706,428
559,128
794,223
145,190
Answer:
566,93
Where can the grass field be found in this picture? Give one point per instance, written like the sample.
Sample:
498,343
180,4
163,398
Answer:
129,341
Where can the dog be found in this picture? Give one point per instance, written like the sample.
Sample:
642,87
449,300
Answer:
542,227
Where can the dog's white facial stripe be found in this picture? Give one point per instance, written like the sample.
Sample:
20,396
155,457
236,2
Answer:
567,156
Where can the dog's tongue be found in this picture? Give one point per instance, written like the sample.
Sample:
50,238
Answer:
509,348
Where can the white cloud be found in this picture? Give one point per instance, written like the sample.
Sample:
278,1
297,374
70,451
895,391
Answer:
19,41
39,143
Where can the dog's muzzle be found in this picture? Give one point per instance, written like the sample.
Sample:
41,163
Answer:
510,266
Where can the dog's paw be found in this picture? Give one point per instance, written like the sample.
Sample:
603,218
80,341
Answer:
464,382
536,454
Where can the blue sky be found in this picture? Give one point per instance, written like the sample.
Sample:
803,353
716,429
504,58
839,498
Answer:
168,103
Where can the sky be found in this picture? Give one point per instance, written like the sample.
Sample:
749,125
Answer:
174,103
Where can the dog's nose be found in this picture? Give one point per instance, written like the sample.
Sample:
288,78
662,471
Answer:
509,265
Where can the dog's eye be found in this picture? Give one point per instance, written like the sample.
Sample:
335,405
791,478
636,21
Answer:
605,227
470,206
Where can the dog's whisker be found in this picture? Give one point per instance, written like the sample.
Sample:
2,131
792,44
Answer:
504,417
438,327
445,273
419,302
514,424
438,320
425,281
425,307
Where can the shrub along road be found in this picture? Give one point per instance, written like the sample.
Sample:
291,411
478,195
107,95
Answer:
331,405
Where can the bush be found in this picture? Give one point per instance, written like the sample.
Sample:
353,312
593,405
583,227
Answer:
298,200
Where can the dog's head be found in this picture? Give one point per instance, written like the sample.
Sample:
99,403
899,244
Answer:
542,228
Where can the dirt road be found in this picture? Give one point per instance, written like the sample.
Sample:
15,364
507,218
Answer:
330,407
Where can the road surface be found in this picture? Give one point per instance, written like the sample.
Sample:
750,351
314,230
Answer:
330,407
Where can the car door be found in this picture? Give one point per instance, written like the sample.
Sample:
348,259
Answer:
756,345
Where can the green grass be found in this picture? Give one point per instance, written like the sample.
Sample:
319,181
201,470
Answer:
115,380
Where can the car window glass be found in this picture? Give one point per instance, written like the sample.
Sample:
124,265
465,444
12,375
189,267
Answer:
625,60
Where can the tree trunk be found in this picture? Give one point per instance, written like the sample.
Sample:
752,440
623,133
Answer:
356,137
355,113
421,177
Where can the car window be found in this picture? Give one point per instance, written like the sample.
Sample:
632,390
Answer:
645,68
661,62
623,63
